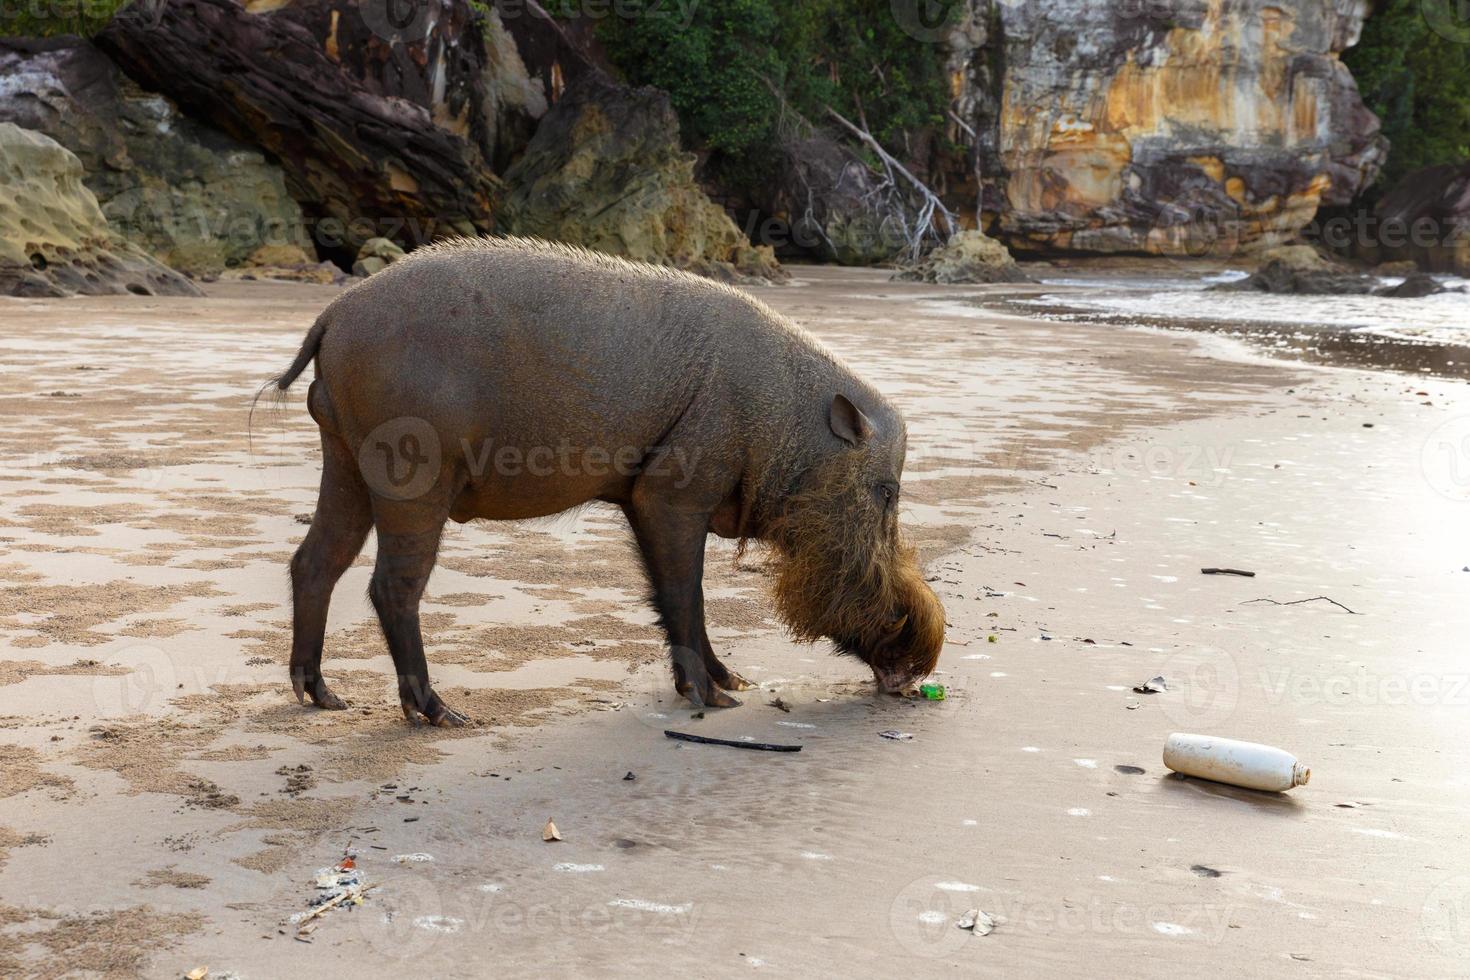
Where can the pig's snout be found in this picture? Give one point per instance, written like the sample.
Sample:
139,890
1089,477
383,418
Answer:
909,651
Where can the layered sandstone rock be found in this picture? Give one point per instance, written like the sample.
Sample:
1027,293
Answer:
378,112
189,195
1173,126
605,170
54,239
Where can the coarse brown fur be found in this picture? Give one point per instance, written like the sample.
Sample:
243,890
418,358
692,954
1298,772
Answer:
723,416
853,578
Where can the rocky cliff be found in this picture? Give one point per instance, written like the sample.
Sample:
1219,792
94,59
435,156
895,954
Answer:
184,192
54,240
377,112
1425,219
606,170
1142,126
438,117
1160,126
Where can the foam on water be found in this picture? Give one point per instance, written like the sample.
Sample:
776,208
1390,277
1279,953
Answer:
1443,318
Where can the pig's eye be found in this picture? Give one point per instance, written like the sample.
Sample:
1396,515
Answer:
887,493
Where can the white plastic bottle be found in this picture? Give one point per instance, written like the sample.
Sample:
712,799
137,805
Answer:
1226,760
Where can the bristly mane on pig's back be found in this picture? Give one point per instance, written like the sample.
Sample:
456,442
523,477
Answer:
583,256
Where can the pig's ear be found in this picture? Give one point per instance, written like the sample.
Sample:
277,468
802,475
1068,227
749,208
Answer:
848,422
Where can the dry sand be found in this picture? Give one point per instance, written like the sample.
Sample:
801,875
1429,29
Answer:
165,804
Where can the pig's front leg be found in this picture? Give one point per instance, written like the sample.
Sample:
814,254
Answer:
722,675
672,545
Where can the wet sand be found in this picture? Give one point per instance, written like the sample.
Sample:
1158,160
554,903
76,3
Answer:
165,804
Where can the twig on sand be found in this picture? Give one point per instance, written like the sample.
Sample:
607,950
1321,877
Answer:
1297,602
759,746
1227,571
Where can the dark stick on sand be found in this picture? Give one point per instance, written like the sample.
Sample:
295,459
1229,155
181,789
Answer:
1297,602
1227,571
758,746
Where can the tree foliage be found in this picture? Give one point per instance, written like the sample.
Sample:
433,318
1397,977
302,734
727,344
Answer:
729,64
1414,73
48,18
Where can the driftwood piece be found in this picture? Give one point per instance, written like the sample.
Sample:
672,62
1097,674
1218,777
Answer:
733,743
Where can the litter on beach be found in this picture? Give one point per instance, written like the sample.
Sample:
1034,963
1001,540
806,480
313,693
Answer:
978,922
1227,760
1154,685
338,886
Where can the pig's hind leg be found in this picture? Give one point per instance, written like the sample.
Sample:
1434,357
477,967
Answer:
408,543
338,528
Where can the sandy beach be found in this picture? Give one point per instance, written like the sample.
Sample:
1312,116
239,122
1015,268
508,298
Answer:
166,805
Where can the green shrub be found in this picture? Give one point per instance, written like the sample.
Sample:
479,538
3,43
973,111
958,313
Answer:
1417,80
46,18
724,66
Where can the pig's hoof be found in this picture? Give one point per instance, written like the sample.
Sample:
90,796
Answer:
449,718
320,694
737,683
719,699
435,713
711,698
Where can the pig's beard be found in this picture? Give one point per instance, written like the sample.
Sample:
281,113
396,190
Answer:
840,570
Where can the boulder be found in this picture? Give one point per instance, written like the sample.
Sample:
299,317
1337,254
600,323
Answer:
968,257
1425,219
318,273
54,239
825,194
1281,276
287,263
279,255
376,111
1170,127
376,255
1303,258
1402,267
1316,279
1414,286
605,170
186,193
